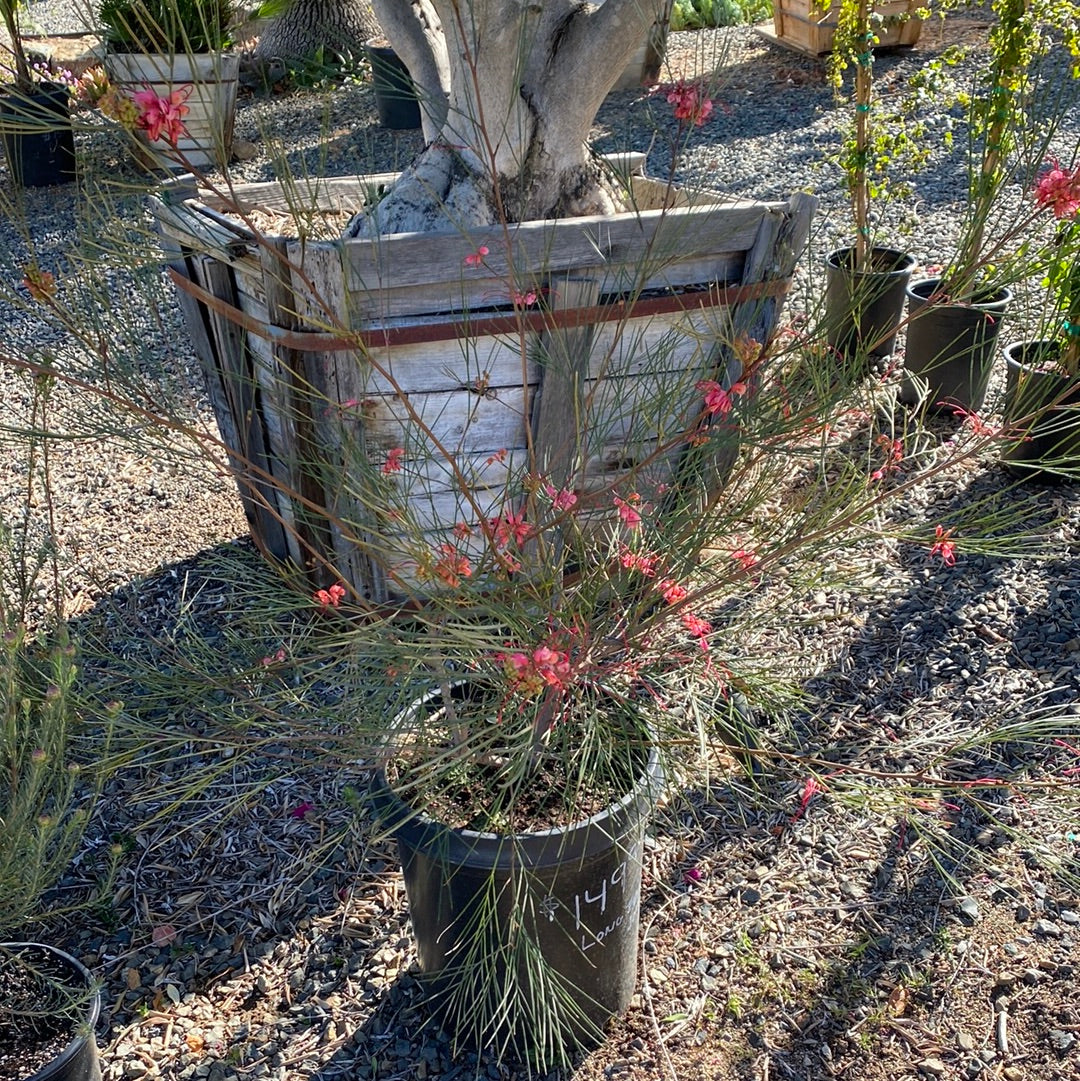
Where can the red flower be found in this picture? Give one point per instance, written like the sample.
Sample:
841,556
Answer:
630,516
810,789
697,626
393,460
746,560
671,591
689,101
477,257
510,527
635,561
563,499
718,400
451,566
329,598
301,810
1059,189
944,547
162,118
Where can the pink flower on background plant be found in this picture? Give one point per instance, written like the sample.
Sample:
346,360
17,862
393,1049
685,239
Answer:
477,257
717,399
944,547
393,460
747,560
523,299
1059,189
329,598
561,499
689,102
672,591
530,673
451,567
274,658
810,789
631,517
162,118
644,563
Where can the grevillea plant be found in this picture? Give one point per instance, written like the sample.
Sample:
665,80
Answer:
1058,190
1000,127
604,598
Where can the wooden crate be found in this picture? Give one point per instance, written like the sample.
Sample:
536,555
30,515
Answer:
324,357
808,27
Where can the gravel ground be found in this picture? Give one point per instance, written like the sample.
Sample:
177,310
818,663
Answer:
777,944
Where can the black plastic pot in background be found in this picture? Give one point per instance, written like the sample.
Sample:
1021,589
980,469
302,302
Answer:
38,141
863,309
396,99
79,1060
580,906
951,346
1046,447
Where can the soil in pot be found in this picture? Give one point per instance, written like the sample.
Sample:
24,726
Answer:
48,1009
950,346
1045,447
38,140
863,309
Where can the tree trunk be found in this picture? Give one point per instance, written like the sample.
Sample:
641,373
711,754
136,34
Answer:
510,91
341,26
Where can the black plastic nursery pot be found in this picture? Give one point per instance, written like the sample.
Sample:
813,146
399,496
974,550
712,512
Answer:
38,140
396,100
68,982
863,309
950,346
1042,414
574,891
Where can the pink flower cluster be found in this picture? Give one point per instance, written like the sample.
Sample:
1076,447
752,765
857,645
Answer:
530,673
689,101
162,118
1059,189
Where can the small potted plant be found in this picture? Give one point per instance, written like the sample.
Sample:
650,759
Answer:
48,1000
865,283
1042,396
35,119
176,49
954,320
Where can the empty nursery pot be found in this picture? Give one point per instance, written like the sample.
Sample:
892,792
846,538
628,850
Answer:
396,100
38,140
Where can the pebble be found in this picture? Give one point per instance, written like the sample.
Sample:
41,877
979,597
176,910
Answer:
1046,928
932,1067
1062,1041
969,907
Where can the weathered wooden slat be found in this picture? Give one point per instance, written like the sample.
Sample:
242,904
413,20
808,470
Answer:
565,356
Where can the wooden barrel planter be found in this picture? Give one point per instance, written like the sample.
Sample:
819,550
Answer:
358,381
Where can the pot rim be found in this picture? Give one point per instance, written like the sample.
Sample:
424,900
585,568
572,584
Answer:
923,289
904,259
400,815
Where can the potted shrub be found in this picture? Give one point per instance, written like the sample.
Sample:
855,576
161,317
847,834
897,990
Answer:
48,1000
35,118
811,26
866,283
175,49
1042,396
954,320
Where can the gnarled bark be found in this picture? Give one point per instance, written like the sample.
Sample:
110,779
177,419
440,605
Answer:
521,82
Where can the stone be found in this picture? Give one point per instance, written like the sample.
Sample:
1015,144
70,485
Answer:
1046,928
1062,1041
1012,1073
965,1042
244,150
932,1067
969,908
